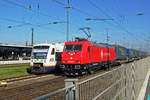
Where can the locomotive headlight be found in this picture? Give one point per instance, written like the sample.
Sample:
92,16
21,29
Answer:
77,61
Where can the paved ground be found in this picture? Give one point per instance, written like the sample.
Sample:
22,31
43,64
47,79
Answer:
147,95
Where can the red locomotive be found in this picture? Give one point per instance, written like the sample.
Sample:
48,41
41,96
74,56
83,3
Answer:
82,56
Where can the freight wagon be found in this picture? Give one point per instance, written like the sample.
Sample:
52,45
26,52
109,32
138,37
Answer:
121,52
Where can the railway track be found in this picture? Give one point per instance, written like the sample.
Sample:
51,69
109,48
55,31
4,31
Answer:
18,78
32,90
9,81
28,80
35,88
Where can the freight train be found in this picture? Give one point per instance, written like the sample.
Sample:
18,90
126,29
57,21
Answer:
82,56
45,58
78,57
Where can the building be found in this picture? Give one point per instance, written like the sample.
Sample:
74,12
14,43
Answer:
14,52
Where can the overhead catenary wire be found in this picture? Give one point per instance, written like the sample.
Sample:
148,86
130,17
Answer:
12,20
94,5
101,10
14,3
81,11
27,8
22,23
63,5
123,17
86,13
129,33
114,12
123,28
74,8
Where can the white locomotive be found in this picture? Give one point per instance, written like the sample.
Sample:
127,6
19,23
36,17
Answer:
45,58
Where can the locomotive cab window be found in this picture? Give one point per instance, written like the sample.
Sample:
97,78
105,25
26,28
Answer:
39,55
40,52
41,47
53,51
77,48
73,48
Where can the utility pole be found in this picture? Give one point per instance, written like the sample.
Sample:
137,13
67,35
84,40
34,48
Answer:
107,32
67,7
107,41
32,37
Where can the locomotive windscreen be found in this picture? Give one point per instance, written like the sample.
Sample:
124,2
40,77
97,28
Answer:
40,55
73,48
41,47
40,52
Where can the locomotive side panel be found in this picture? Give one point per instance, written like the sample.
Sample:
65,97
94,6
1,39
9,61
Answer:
112,54
86,54
101,54
95,54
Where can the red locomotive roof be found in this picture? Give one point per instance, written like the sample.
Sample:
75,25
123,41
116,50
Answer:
78,42
104,45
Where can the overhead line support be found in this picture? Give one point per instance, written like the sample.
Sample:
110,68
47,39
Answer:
67,7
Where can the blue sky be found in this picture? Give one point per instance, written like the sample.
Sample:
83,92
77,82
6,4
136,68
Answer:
127,28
